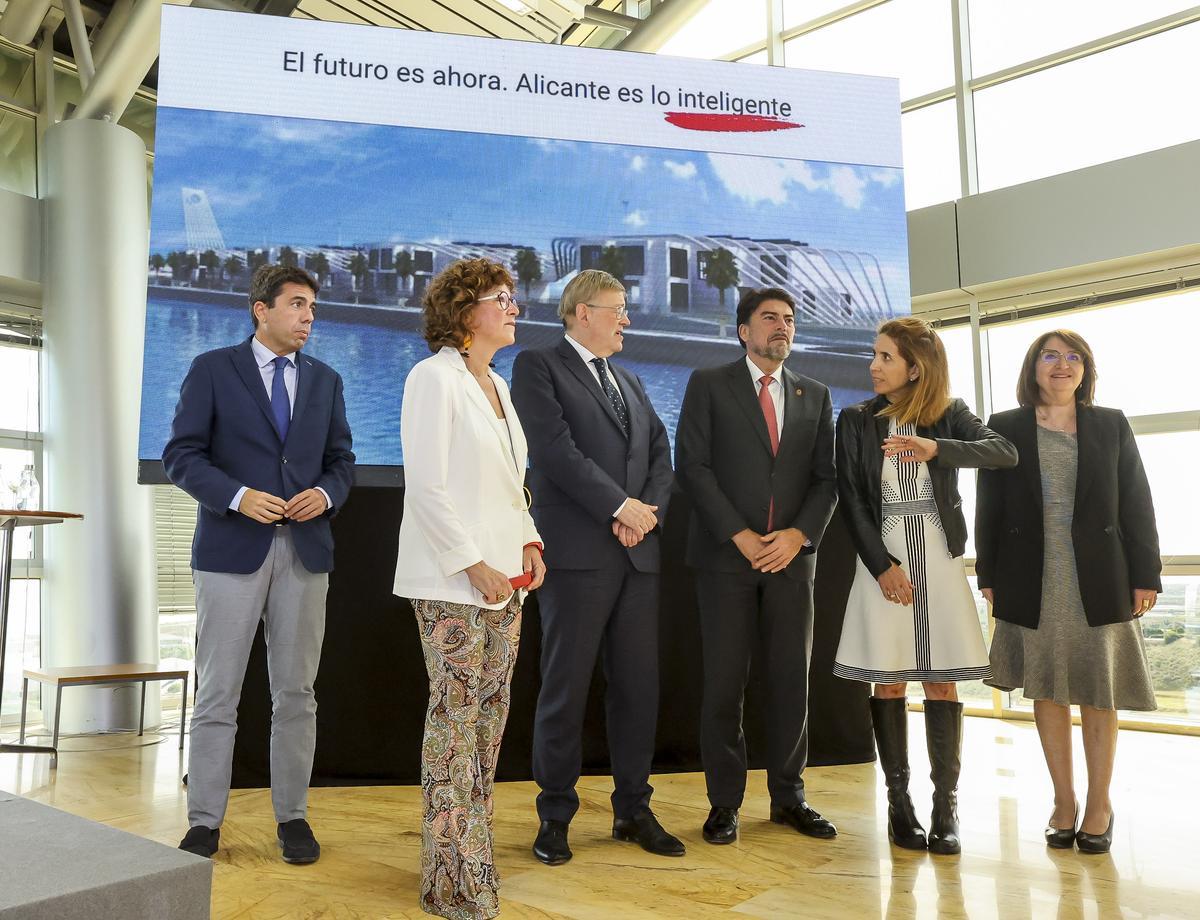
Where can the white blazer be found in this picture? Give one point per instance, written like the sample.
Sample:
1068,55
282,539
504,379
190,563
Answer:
464,495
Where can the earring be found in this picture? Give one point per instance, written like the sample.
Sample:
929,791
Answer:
466,345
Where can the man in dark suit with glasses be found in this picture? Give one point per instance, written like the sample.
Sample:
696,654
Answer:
600,478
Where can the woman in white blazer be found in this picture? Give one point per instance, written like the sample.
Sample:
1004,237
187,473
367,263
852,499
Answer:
468,550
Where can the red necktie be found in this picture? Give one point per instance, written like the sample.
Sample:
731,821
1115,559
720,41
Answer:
768,409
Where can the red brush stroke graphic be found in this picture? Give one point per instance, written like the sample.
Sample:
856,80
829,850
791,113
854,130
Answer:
700,121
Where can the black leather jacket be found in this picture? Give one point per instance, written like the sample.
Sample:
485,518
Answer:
963,441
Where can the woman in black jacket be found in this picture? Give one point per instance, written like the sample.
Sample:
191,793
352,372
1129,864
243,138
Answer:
911,615
1068,556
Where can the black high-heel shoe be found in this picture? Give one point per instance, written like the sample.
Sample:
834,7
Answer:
1062,839
1096,843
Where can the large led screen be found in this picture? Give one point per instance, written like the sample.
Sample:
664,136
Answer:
374,158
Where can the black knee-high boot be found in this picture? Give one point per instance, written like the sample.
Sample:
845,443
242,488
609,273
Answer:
943,733
890,719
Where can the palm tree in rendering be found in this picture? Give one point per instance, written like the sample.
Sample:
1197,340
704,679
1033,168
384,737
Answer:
318,264
722,272
528,267
612,260
405,266
358,267
210,261
233,267
287,256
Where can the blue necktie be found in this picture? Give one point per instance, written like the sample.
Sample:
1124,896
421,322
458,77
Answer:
281,407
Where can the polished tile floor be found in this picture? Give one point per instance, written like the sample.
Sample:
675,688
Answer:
371,842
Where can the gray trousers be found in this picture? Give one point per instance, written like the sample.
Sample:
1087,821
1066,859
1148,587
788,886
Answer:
291,602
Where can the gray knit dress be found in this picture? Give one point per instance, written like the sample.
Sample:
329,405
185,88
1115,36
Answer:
1065,660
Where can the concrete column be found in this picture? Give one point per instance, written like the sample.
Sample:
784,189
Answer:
99,603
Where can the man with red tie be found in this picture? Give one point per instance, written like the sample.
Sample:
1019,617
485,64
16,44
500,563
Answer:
754,453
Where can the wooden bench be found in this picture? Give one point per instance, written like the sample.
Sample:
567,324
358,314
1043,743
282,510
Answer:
101,674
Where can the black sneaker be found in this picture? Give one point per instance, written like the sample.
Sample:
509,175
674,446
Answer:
202,841
298,843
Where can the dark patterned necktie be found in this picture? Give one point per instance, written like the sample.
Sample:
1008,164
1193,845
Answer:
614,397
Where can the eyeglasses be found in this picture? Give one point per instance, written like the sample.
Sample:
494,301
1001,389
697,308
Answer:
621,311
1050,357
503,299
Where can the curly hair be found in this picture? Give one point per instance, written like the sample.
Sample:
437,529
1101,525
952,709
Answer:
451,295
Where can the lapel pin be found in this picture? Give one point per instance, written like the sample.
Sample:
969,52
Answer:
799,392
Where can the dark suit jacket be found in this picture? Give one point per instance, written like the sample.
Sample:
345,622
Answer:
963,441
582,464
223,437
1113,531
723,461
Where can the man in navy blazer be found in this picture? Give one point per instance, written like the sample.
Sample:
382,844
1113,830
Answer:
260,440
600,479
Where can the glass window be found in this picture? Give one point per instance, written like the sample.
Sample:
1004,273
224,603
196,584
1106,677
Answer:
1131,99
758,57
16,76
798,12
176,650
1008,32
1170,461
957,341
18,153
19,384
718,28
24,643
12,463
1172,632
139,118
868,43
1143,350
930,138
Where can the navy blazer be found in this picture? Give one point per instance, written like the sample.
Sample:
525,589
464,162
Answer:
223,437
582,464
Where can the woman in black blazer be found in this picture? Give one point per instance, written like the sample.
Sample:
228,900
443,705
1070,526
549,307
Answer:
1068,557
910,615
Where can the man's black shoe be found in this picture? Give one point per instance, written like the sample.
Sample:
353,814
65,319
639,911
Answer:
550,846
804,818
297,842
201,840
721,826
643,829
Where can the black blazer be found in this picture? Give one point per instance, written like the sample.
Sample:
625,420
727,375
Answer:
723,461
963,441
1113,531
582,464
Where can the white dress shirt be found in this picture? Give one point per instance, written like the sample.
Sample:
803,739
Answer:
775,386
588,358
265,359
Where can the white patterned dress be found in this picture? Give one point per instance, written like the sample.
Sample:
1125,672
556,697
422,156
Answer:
937,638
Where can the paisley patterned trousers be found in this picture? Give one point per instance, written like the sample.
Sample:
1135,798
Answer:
469,654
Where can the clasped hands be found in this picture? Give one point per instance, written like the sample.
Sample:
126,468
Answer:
634,521
267,508
770,552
